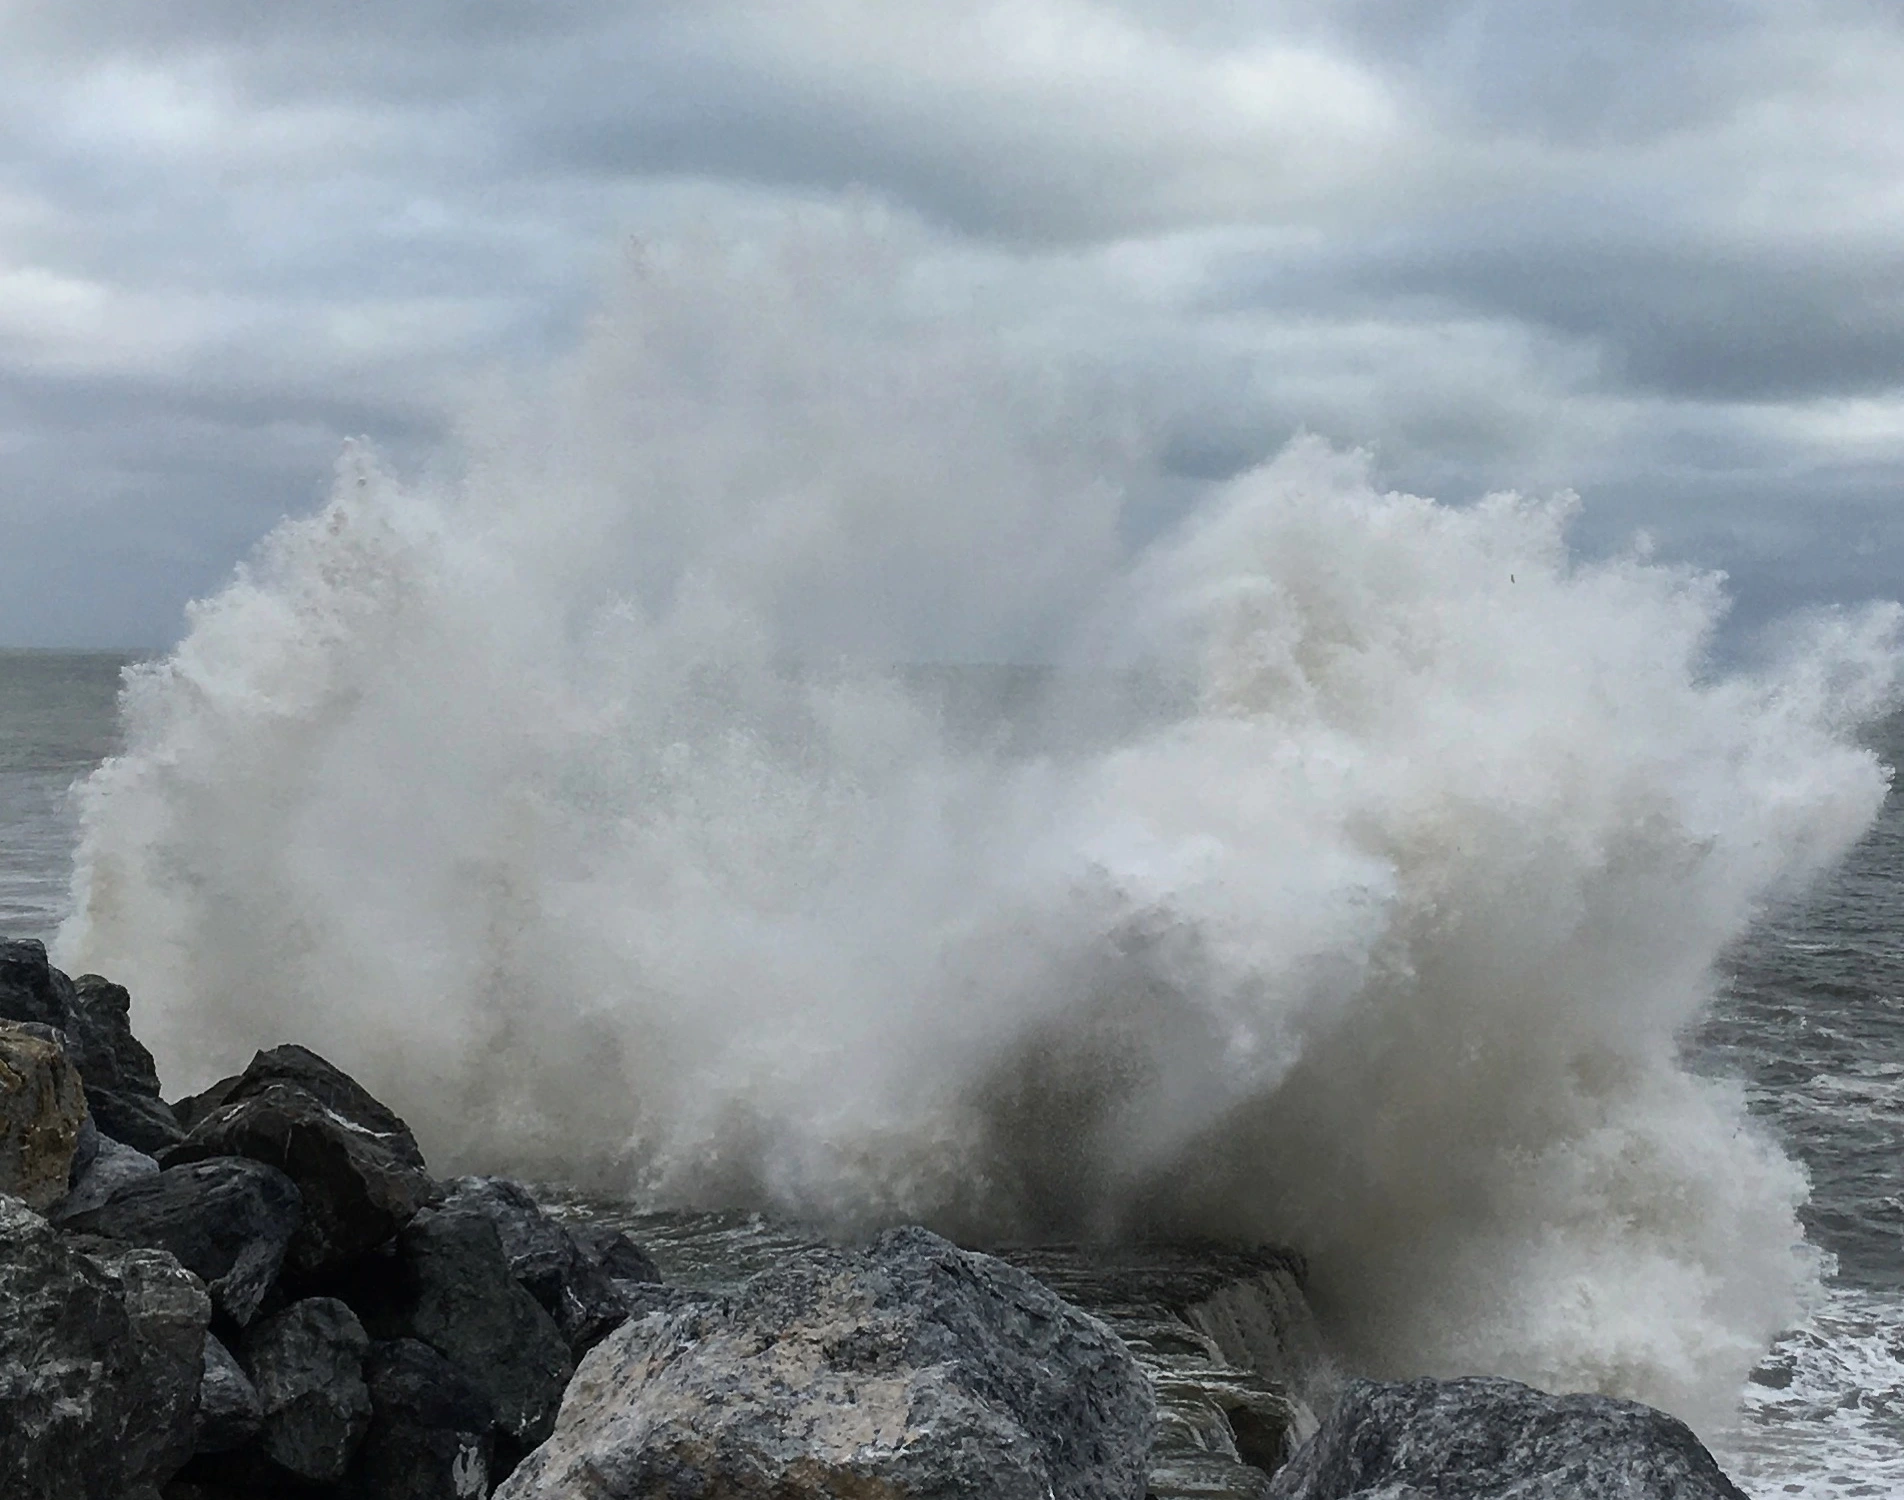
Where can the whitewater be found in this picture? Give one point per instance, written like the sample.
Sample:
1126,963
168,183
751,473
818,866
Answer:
1346,877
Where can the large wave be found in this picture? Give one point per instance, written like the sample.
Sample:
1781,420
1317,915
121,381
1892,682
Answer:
1345,882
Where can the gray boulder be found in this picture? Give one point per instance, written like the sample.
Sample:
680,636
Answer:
136,1119
355,1163
228,1220
620,1257
31,989
42,1107
307,1365
114,1165
1491,1439
122,1085
108,1055
84,1351
433,1433
916,1370
169,1312
230,1411
453,1290
192,1108
572,1285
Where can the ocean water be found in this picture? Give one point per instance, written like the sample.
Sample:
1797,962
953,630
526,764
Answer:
1810,1016
58,720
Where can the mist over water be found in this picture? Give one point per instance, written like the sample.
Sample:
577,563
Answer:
1347,883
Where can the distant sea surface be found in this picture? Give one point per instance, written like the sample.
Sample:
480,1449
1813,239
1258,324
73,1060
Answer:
1811,1018
57,721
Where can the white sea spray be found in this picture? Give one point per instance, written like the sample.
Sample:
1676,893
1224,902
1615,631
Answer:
1372,933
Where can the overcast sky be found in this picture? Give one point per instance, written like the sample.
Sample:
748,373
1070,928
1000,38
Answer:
1653,253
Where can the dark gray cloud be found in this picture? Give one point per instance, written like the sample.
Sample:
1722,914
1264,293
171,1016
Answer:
1651,253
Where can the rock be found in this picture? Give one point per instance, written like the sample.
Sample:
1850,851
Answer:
356,1164
194,1107
108,1056
31,989
571,1285
86,1149
113,1166
72,1370
169,1311
228,1220
916,1370
1228,1340
41,1107
307,1365
453,1290
615,1253
136,1120
432,1435
1492,1439
230,1411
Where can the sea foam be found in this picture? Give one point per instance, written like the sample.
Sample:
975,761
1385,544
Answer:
1344,883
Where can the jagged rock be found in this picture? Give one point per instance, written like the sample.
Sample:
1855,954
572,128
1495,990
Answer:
75,1376
1492,1439
307,1365
136,1120
228,1220
169,1311
1228,1340
432,1435
194,1107
230,1411
31,989
447,1284
356,1163
108,1056
41,1107
916,1370
615,1253
546,1258
113,1167
122,1085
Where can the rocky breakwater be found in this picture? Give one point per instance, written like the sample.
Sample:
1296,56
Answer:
261,1293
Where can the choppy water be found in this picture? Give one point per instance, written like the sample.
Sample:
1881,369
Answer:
1812,1019
56,723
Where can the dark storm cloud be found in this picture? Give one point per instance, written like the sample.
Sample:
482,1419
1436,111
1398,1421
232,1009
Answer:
1651,252
1664,314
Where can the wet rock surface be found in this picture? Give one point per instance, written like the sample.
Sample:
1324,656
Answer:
1490,1439
1226,1336
1230,1346
41,1110
432,1435
122,1084
617,1255
110,1166
31,989
914,1369
230,1411
171,1326
355,1163
453,1290
135,1120
169,1312
571,1282
306,1364
72,1371
228,1220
